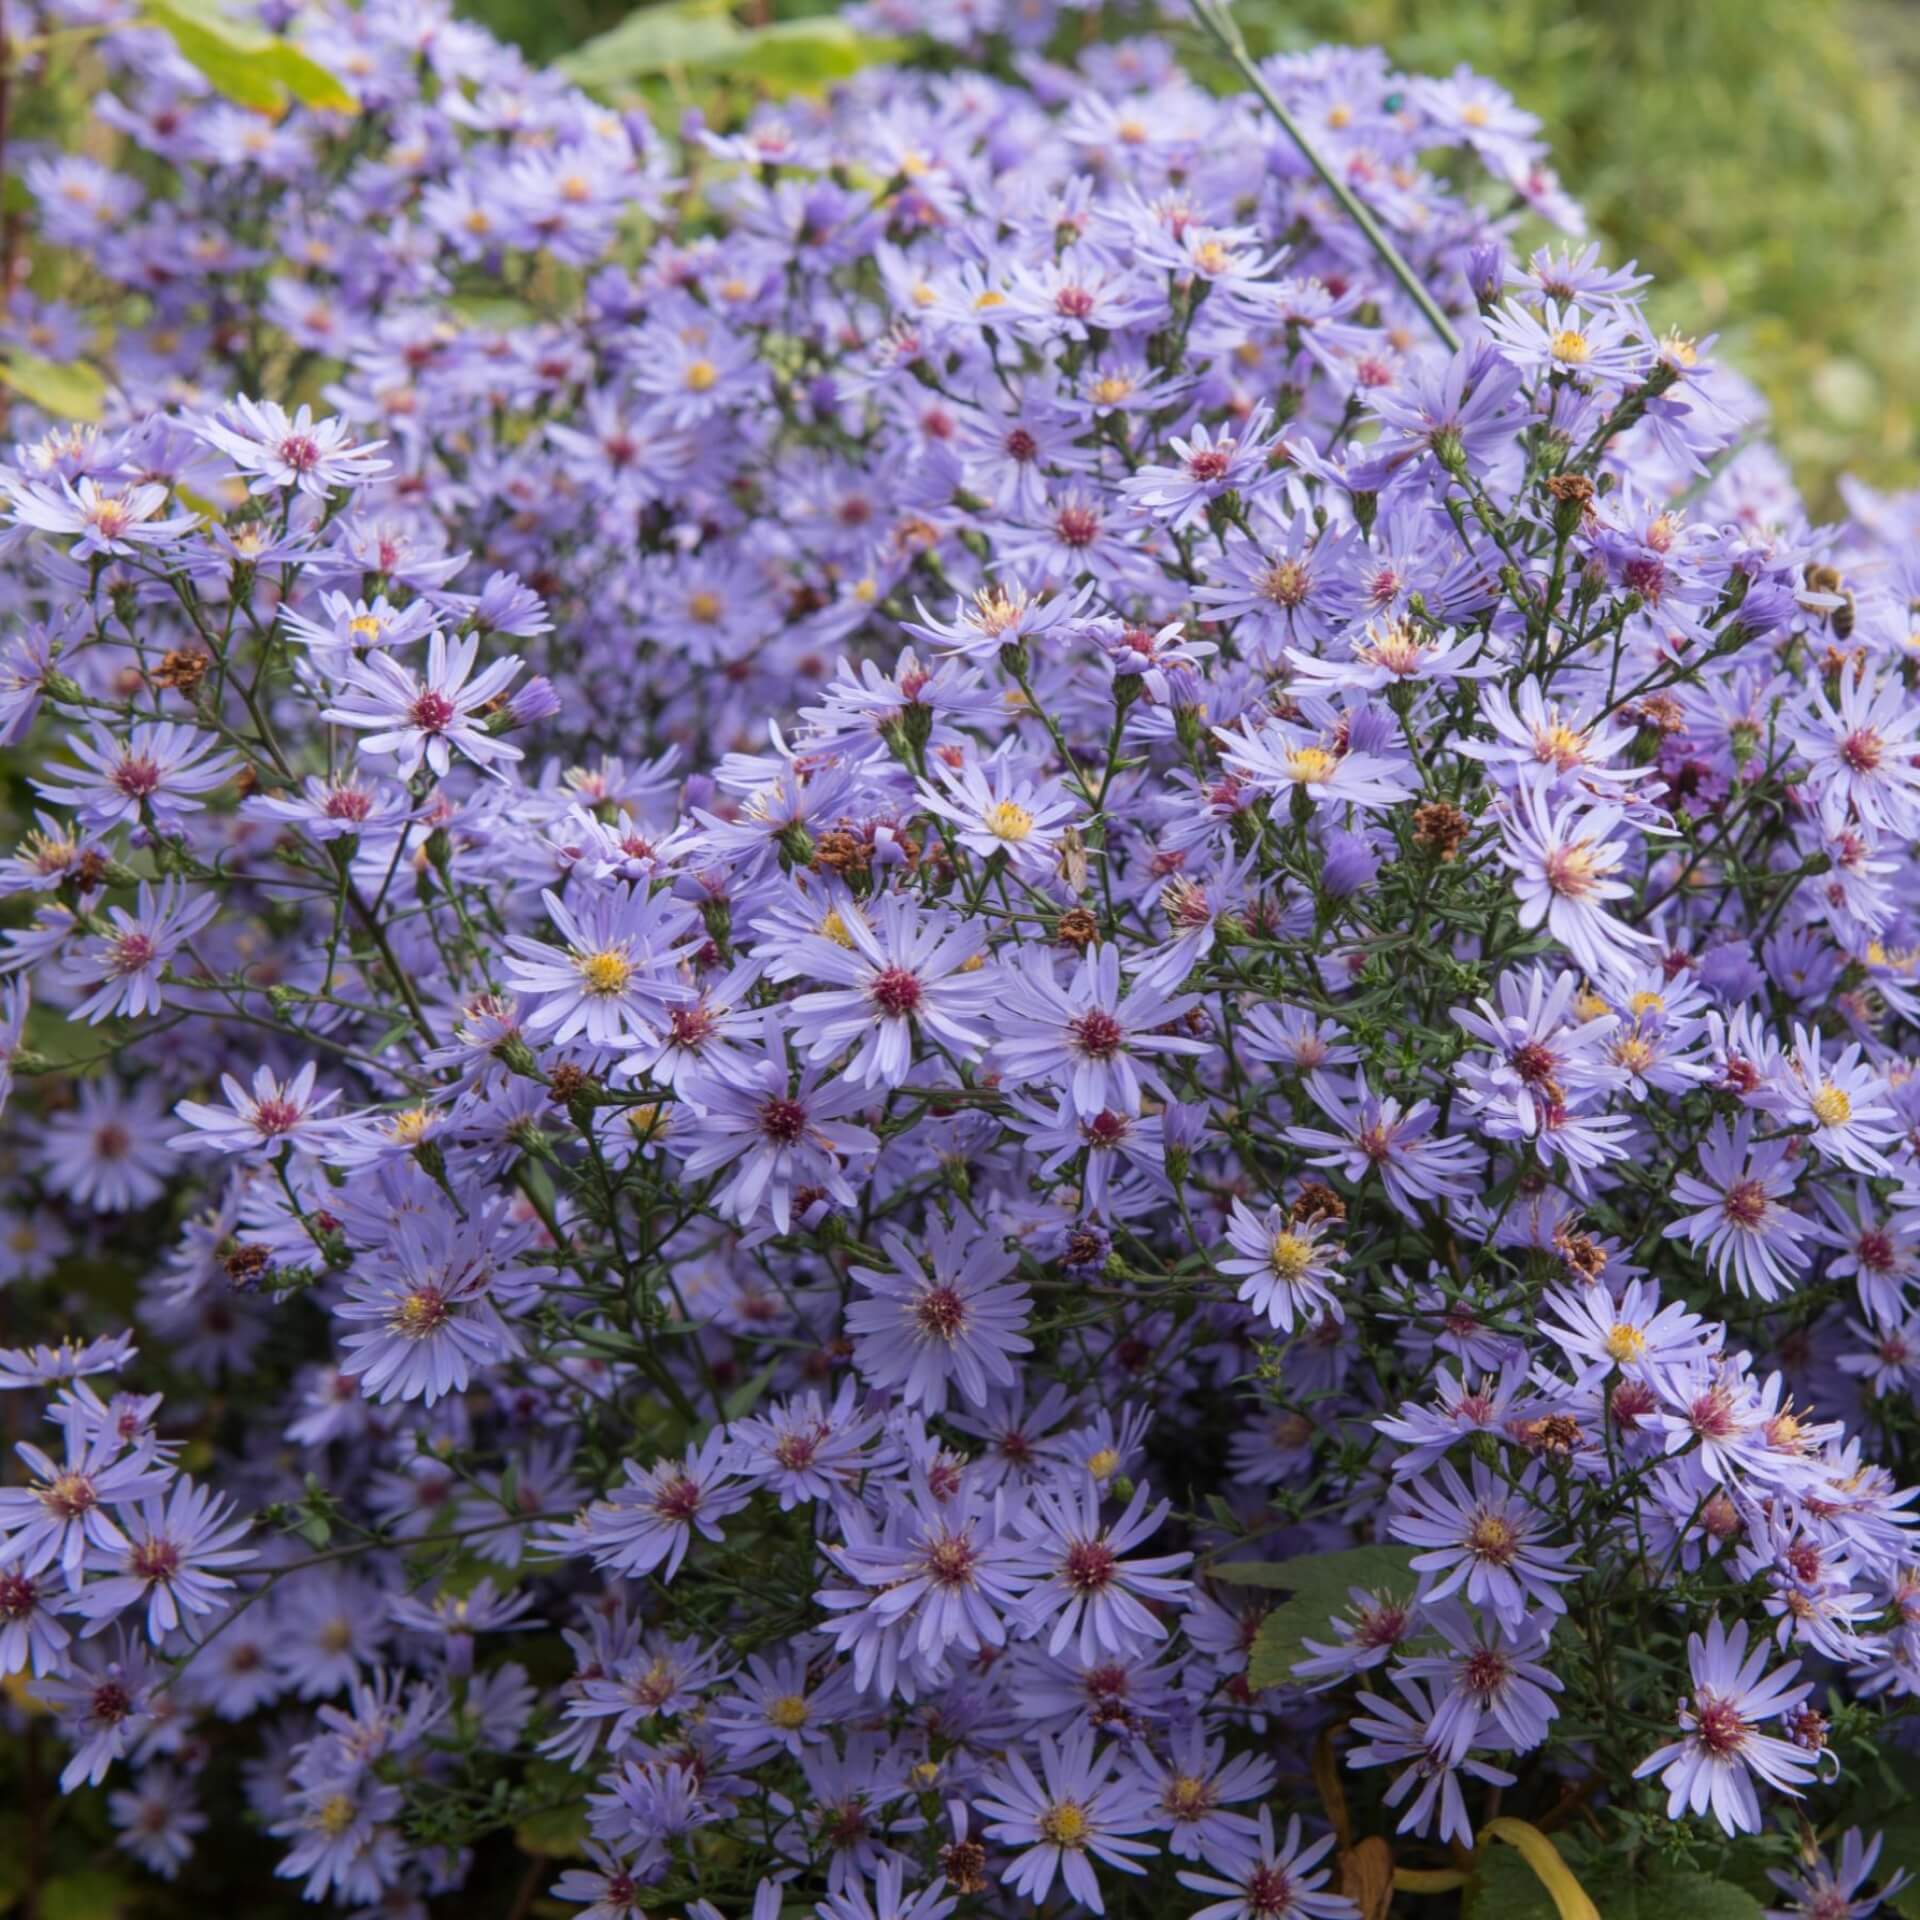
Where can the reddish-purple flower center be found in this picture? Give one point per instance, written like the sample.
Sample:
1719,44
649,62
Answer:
1098,1034
895,991
1089,1565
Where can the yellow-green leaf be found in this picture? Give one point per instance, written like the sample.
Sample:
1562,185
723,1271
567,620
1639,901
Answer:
251,68
69,388
1553,1873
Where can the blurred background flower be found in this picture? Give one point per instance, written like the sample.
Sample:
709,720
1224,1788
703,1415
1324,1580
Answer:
1756,156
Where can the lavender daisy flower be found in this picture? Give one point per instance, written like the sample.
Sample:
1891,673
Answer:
997,809
1402,1736
1823,1889
175,1549
130,961
115,521
1084,1037
615,981
609,1889
1493,1678
1484,1540
423,720
1195,1789
647,1525
1749,1236
103,1709
426,1312
30,1631
259,1118
150,778
1282,1881
903,975
1279,758
1711,1767
62,1516
156,1820
783,1132
1564,865
1288,1271
941,1323
1073,1812
283,451
1376,1136
1084,1585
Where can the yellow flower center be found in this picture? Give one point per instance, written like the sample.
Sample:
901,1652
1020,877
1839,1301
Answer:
701,374
1110,389
1570,347
1625,1342
987,299
1065,1824
412,1125
704,607
788,1712
335,1815
605,972
1646,1002
1289,1256
835,929
1102,1463
1008,820
1831,1107
364,626
1308,766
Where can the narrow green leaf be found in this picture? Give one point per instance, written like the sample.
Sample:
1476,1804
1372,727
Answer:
251,68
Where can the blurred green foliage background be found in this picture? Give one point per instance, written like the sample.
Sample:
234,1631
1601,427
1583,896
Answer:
1757,156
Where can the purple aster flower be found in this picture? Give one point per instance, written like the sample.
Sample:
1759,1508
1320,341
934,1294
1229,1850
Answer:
150,778
259,1118
1564,865
647,1525
1824,1889
1195,1789
62,1516
1457,414
1376,1136
1083,1037
942,1321
30,1631
609,1889
1861,754
945,1573
1281,1881
129,962
1402,1736
282,451
615,980
1489,1683
1749,1236
1277,757
424,1304
108,520
156,1820
996,809
902,973
1711,1767
423,719
1485,1541
1084,1583
1287,1270
1075,1811
103,1709
175,1549
782,1131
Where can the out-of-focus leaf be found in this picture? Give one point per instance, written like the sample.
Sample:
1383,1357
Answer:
1318,1583
89,1894
790,56
557,1833
69,388
251,68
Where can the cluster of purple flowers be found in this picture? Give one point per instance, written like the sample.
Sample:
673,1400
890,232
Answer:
805,980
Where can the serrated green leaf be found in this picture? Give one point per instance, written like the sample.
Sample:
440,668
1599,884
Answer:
1318,1583
70,389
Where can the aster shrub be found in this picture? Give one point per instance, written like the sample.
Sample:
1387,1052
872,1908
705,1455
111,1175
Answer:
990,993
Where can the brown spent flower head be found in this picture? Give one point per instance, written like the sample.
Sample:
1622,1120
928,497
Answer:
182,669
1077,928
1317,1202
1440,829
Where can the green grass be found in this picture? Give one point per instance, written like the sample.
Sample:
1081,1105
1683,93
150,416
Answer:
1756,156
